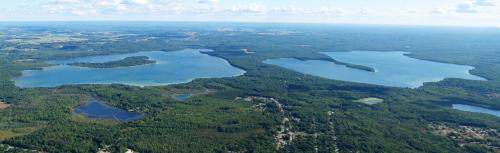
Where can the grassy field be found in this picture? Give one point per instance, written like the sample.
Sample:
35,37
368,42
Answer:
14,132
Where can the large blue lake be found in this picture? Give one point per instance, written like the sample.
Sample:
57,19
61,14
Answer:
98,110
475,109
393,69
170,68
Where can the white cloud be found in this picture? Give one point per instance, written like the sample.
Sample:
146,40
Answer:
210,2
250,8
329,10
112,7
475,6
294,10
440,10
486,2
466,8
466,11
207,7
136,2
65,1
366,11
165,7
290,9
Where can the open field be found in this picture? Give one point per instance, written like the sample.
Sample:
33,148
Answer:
4,105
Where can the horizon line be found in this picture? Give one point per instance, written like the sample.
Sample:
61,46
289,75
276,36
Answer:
252,22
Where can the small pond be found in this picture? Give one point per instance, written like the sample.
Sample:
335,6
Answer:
369,101
183,96
96,109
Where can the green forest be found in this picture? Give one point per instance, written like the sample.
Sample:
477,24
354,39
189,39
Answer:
126,62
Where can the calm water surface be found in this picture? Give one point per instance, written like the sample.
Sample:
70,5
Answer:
393,69
370,101
475,109
98,110
170,68
183,96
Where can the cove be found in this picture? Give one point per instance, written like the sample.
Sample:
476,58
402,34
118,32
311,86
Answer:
96,109
475,109
169,68
393,69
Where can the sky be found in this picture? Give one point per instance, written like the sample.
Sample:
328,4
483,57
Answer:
484,13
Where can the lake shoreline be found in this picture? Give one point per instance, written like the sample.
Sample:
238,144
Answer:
171,68
393,69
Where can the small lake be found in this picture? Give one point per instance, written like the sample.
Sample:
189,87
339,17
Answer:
370,101
475,109
96,109
393,69
170,68
183,96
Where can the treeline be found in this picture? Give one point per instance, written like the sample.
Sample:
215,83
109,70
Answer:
126,62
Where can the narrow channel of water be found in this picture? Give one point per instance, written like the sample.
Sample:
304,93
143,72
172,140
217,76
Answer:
475,109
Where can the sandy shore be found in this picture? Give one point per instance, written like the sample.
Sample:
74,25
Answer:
3,105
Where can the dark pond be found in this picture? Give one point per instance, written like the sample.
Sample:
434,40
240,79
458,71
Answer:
183,96
96,109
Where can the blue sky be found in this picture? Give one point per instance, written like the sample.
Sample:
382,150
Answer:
407,12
